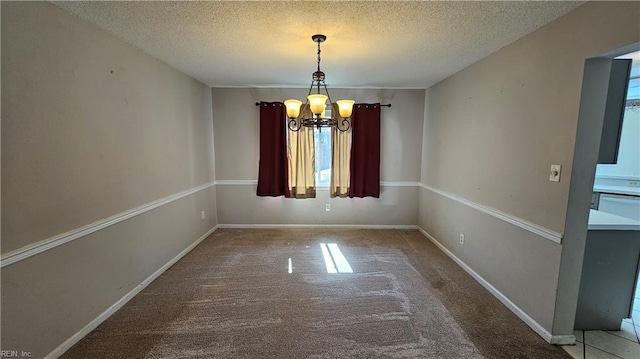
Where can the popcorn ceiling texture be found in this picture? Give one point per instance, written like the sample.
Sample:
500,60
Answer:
369,44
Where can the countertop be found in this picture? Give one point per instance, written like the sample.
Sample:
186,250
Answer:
600,221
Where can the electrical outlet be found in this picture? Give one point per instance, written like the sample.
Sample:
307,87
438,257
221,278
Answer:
554,173
634,184
202,215
328,207
462,238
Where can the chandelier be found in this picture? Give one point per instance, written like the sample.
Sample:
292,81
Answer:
317,103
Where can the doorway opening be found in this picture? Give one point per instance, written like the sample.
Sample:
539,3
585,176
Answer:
600,262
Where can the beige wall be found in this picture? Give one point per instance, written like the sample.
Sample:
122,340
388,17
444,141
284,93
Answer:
236,129
238,204
516,262
91,128
491,133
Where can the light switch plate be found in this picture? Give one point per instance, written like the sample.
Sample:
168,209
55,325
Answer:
554,173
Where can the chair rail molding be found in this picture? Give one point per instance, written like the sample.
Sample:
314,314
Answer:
516,221
60,239
255,182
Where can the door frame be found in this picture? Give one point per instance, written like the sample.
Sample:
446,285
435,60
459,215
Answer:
585,158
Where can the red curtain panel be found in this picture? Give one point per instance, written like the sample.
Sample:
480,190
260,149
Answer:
365,151
273,167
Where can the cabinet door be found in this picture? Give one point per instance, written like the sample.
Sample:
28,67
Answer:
614,111
609,272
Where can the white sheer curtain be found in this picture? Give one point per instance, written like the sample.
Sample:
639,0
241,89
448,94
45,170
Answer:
302,181
340,157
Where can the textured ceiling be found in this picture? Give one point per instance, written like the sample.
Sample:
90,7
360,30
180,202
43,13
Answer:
369,44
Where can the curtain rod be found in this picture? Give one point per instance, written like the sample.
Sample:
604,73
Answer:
385,105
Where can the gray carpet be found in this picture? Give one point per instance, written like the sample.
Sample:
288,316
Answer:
233,297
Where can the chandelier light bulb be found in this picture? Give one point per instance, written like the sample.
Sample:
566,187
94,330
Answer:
293,108
345,107
317,102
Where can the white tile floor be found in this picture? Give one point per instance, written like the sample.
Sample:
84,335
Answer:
598,344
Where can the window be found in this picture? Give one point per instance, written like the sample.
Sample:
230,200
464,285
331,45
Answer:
322,142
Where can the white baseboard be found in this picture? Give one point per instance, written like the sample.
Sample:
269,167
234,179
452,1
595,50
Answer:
62,348
345,226
552,339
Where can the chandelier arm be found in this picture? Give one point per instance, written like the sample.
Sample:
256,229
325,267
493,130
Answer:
328,96
294,126
310,89
346,123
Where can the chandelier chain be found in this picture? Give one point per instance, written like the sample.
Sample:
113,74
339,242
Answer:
318,56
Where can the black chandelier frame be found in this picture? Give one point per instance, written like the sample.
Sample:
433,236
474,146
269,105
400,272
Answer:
317,80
